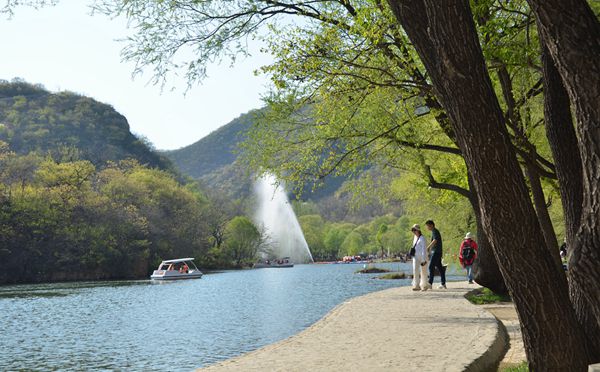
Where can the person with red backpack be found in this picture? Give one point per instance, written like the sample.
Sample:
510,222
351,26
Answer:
468,252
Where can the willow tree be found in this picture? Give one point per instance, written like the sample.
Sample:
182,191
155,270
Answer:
383,63
341,75
9,6
212,30
451,51
571,36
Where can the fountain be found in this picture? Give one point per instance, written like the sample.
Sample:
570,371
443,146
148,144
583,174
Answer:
276,216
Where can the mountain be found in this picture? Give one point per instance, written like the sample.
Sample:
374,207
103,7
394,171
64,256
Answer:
213,161
65,124
214,152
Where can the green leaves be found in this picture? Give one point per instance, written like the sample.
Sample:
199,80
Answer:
242,240
71,220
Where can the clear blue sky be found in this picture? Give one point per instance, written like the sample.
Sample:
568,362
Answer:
64,48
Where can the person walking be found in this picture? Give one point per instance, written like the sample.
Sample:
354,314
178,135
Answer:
419,259
435,249
467,255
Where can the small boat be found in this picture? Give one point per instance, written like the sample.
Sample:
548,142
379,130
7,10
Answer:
282,262
181,268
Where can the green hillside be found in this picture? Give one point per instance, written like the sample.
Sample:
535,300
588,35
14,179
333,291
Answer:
68,126
212,160
213,152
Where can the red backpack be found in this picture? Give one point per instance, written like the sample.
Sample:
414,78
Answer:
468,251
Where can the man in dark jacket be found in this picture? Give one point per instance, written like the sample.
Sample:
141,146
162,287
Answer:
435,249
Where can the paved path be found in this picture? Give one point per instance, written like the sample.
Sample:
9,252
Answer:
507,314
437,330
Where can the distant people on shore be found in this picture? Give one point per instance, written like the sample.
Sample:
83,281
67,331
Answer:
419,253
467,255
436,250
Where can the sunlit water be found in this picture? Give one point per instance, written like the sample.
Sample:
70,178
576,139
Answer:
141,325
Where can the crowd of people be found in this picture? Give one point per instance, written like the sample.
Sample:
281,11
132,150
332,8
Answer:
427,258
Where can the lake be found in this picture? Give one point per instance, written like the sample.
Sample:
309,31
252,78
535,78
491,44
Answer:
181,325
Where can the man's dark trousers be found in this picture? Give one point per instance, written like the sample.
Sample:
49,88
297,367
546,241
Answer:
436,261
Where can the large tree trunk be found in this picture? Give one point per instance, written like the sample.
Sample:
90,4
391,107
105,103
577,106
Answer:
444,35
539,201
571,34
563,143
485,267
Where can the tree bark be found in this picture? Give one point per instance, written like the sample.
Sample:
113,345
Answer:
486,271
445,37
563,144
539,201
571,33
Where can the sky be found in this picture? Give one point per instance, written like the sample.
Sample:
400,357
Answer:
65,48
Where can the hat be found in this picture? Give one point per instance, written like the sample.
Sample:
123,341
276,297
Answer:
415,227
468,235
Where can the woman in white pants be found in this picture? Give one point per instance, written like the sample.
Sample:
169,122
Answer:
419,260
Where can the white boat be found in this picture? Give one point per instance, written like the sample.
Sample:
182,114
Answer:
282,262
181,268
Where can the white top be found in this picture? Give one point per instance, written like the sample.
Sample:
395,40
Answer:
177,260
420,248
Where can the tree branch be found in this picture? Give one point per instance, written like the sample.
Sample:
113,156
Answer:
446,186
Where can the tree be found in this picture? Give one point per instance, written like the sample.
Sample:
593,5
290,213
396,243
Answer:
575,50
313,228
383,228
353,244
446,40
344,63
10,5
242,240
335,237
375,57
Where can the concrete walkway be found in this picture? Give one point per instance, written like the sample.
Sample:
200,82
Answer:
392,330
507,314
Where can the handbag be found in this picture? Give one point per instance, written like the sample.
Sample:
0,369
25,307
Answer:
413,250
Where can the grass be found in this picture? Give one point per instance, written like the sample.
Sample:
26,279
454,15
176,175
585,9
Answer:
395,275
523,367
372,270
486,296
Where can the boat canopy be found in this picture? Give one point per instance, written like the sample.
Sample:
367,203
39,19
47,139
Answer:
177,260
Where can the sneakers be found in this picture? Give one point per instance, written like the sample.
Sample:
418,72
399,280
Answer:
427,287
471,282
416,288
443,286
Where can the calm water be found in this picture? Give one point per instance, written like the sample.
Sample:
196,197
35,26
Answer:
141,325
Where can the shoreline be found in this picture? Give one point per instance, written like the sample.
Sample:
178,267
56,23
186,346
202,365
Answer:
436,326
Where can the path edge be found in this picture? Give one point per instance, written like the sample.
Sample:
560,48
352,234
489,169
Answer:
491,358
